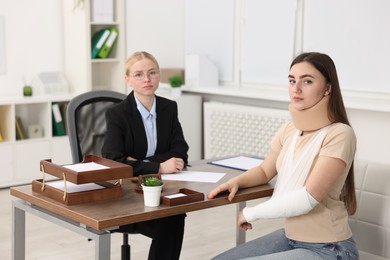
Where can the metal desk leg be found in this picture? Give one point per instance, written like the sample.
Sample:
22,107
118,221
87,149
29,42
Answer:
103,246
18,233
19,208
240,234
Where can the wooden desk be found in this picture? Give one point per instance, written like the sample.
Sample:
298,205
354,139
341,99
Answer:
94,220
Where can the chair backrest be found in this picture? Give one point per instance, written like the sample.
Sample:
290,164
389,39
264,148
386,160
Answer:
86,121
371,222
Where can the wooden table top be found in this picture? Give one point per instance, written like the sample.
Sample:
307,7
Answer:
130,208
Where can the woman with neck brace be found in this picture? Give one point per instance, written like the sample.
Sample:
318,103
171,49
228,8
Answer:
312,158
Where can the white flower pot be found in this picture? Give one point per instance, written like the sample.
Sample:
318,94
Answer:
176,92
152,195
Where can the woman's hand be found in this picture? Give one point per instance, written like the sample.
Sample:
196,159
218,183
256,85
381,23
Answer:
230,186
242,223
172,165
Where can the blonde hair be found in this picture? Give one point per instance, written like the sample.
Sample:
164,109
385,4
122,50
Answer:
137,56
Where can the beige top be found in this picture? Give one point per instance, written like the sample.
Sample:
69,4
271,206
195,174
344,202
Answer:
328,221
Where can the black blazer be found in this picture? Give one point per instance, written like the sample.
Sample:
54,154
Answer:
125,135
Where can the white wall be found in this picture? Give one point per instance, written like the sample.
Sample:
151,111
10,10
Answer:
372,131
156,27
33,41
34,34
267,37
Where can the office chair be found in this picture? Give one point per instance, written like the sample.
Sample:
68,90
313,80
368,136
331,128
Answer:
86,125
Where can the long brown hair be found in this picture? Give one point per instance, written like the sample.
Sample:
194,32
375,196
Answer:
336,112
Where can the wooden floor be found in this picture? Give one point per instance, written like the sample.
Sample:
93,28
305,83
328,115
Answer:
208,232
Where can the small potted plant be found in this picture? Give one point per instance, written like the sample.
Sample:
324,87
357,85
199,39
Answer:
152,187
152,181
176,82
27,89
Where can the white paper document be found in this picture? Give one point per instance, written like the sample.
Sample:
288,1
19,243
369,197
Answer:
174,196
84,167
71,187
210,177
240,162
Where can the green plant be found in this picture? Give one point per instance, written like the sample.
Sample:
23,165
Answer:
152,181
176,81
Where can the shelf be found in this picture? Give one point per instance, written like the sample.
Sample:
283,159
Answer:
107,60
20,158
97,73
105,24
34,115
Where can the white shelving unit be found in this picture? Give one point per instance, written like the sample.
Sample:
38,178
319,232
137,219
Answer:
84,73
20,158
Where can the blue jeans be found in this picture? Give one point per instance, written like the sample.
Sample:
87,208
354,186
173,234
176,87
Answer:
276,246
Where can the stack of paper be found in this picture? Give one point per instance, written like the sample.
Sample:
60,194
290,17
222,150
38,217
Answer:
195,176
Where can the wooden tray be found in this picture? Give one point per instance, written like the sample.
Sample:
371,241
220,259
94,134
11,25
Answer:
190,196
114,171
110,191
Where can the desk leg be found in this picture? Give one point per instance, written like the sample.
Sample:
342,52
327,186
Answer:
18,233
240,234
103,246
102,238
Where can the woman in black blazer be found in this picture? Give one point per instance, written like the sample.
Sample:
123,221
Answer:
144,131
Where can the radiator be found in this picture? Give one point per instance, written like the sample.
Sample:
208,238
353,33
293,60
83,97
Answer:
231,129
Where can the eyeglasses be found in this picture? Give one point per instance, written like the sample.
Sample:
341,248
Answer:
153,74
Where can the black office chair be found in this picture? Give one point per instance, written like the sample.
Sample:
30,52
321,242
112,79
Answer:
86,128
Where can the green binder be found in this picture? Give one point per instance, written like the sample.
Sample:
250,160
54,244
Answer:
20,131
58,122
107,46
98,40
